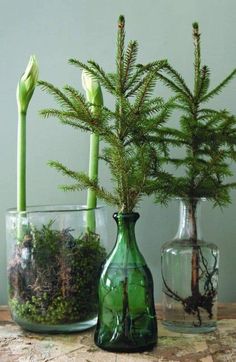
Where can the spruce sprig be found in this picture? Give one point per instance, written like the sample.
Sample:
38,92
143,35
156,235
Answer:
127,130
207,135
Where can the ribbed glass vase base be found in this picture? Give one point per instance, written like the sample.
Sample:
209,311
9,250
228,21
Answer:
128,348
189,328
57,328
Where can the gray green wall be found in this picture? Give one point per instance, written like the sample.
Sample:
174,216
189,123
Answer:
56,30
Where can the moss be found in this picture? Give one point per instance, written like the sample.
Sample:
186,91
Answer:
53,276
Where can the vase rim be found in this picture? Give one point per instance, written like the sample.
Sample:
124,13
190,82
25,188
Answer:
54,208
126,215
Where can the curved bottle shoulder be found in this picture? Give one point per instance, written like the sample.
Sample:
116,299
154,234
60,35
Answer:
116,262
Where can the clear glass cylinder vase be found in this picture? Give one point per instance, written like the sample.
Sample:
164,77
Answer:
126,313
189,275
54,255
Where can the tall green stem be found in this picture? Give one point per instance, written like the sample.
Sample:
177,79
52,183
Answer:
93,174
21,162
95,98
24,92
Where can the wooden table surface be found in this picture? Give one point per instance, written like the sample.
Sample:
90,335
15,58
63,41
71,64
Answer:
18,345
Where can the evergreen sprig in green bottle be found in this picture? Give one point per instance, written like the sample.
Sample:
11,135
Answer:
126,315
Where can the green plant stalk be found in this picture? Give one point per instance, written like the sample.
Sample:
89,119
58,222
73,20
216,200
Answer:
24,92
95,98
21,172
93,174
21,162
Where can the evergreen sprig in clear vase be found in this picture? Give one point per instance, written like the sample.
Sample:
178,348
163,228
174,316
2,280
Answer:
126,314
189,275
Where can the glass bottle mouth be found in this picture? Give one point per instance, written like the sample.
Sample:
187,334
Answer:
133,216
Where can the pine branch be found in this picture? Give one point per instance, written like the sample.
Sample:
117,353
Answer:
179,80
129,131
79,102
217,90
104,78
129,60
69,118
134,83
95,71
204,82
206,136
174,87
57,94
83,182
137,80
145,90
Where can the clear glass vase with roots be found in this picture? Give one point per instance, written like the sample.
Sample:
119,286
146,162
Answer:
189,275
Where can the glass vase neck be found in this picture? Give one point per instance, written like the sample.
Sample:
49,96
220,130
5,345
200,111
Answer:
126,250
126,227
189,221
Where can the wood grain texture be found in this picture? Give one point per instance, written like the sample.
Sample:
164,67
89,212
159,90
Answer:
18,345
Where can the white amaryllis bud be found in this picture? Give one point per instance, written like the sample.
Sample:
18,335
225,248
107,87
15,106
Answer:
27,84
92,88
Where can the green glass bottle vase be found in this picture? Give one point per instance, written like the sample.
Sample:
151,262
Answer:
126,314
